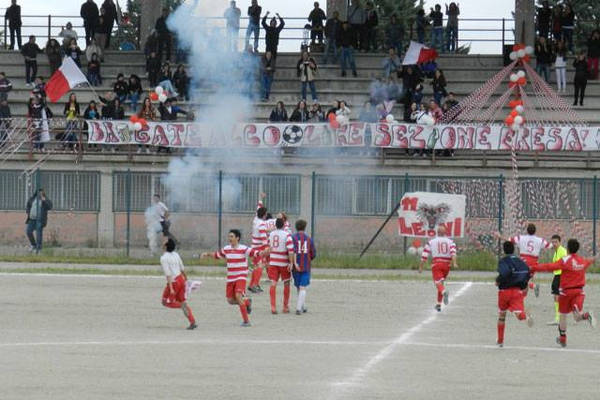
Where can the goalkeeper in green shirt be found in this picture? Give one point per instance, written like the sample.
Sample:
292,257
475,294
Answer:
559,252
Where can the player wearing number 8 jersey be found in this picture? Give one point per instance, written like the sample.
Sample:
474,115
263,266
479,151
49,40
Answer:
304,248
281,259
443,253
530,247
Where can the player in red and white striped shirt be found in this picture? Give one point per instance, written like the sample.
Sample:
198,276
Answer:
443,253
281,259
270,222
236,255
259,242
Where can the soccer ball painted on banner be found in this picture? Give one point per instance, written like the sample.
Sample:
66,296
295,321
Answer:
293,134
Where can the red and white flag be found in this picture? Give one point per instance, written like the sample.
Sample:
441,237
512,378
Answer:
64,79
418,54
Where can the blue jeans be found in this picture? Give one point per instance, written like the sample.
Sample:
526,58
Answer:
133,99
421,35
35,225
348,56
94,79
542,68
168,86
313,90
329,45
452,38
438,97
267,80
437,37
252,28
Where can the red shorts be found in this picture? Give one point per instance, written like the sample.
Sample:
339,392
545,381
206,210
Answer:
178,287
274,273
234,287
260,259
570,300
511,300
440,271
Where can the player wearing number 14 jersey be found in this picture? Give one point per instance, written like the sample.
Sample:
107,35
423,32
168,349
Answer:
443,253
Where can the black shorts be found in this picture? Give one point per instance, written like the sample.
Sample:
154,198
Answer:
555,285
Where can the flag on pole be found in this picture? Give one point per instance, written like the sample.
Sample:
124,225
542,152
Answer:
418,54
64,79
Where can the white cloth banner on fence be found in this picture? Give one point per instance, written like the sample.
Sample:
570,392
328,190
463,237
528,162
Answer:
355,134
421,213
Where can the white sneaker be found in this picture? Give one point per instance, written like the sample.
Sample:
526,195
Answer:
147,150
529,320
592,319
445,294
31,249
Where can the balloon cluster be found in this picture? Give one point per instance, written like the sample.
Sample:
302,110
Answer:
521,52
159,94
335,121
517,79
415,248
515,118
137,124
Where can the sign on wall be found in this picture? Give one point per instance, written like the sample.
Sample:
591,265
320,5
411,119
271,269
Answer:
421,213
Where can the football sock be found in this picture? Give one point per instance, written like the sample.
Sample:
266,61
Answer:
187,311
556,313
440,291
286,296
273,293
585,315
501,326
256,275
563,335
244,311
301,298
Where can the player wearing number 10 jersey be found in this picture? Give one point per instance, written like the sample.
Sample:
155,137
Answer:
443,253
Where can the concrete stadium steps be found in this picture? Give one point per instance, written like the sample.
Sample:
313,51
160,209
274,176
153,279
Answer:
110,56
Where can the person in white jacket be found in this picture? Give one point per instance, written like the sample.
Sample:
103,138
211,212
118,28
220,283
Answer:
560,66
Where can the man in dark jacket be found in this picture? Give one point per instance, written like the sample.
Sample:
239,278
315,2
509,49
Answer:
272,32
89,12
5,120
30,51
164,35
347,42
544,16
13,16
110,18
37,218
316,18
332,31
370,28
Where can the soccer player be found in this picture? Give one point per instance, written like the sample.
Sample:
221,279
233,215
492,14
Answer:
530,247
259,242
281,259
175,293
572,281
443,253
236,255
559,253
304,248
512,279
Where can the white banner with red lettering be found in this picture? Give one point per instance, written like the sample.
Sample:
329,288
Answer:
355,134
421,213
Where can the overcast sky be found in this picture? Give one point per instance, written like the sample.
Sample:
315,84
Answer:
300,8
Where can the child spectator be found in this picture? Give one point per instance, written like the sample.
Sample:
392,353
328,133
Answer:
316,18
120,88
5,86
394,34
268,71
153,69
581,77
421,23
567,24
71,112
272,32
439,86
74,52
300,114
279,113
182,82
560,66
134,86
452,12
332,30
55,55
437,32
392,63
543,57
93,68
593,46
306,69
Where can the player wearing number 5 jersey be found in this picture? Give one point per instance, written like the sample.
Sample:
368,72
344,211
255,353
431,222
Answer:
281,259
304,248
530,247
443,253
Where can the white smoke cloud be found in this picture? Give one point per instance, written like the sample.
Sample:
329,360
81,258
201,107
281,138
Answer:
153,228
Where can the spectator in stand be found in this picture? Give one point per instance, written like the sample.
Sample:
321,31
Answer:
30,50
306,69
68,34
94,48
560,66
134,86
543,58
391,64
232,18
421,25
55,55
250,68
147,112
74,52
279,113
410,79
452,12
300,114
370,29
556,22
39,115
153,69
428,69
272,32
253,23
347,42
268,72
394,34
412,113
151,45
90,14
450,101
113,110
567,25
39,87
368,113
417,96
37,209
5,122
332,30
166,80
93,69
437,31
316,18
581,77
439,86
543,18
181,80
13,16
316,114
164,35
357,18
101,31
344,109
435,111
593,46
168,112
5,86
71,112
120,88
91,113
333,110
111,16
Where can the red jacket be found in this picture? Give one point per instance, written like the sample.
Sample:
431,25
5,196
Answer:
573,270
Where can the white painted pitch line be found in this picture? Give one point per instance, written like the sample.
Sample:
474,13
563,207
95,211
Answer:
495,347
359,374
